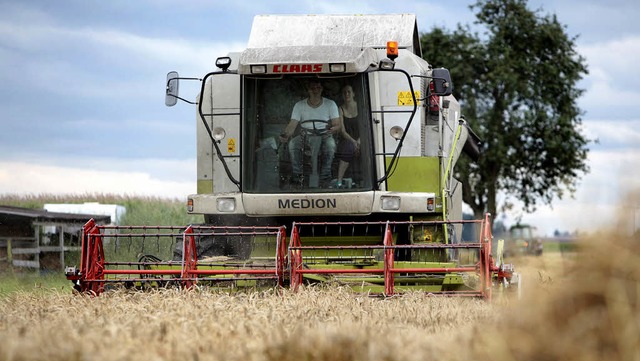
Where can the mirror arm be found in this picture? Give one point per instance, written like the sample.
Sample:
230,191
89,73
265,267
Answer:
169,90
184,100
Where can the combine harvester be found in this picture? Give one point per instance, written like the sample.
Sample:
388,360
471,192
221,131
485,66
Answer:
275,210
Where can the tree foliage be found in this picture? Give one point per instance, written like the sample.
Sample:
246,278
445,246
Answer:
516,83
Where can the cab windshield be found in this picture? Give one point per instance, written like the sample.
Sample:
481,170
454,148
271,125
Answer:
313,157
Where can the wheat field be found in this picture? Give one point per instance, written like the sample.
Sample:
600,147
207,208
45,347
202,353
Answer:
578,306
582,306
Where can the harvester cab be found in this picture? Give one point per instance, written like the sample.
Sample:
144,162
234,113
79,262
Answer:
334,128
408,128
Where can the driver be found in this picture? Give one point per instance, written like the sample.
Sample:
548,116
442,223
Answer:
319,119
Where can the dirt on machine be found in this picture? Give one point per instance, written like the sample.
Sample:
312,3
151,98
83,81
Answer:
325,153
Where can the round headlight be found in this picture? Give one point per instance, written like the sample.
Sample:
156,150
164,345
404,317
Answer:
396,132
219,134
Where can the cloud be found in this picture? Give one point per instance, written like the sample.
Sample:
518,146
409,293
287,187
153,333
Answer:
614,133
601,193
613,82
74,87
24,178
82,55
615,173
593,20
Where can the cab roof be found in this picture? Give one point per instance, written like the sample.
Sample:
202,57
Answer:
271,31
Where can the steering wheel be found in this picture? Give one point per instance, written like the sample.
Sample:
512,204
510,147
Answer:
314,130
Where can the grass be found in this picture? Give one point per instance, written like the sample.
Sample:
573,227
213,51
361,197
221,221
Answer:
11,283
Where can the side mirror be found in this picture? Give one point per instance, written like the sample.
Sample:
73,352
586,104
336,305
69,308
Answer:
171,97
442,81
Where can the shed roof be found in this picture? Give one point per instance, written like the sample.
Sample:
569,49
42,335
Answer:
10,214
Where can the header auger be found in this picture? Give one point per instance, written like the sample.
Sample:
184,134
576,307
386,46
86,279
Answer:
121,257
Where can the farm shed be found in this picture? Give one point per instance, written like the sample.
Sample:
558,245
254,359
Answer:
116,212
39,239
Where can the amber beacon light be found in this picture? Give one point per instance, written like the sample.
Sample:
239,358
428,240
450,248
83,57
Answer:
392,50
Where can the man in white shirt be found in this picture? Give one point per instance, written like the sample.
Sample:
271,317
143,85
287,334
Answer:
318,118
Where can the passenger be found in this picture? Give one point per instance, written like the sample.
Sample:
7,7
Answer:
319,119
349,145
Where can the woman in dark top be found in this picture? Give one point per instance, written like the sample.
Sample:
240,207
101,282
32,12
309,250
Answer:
349,146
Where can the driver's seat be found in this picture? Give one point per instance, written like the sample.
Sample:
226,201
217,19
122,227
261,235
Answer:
311,146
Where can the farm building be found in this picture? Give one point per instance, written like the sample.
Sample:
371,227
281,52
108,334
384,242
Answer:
38,239
116,212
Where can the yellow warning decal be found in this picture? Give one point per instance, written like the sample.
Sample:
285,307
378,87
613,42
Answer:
231,145
405,98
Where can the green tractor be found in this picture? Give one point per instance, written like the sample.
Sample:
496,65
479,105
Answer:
522,241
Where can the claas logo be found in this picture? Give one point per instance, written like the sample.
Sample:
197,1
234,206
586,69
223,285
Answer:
297,68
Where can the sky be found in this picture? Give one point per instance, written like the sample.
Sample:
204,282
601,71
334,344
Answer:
82,97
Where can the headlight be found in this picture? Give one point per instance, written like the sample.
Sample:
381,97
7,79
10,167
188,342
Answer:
258,69
219,133
389,203
338,68
386,64
396,132
223,63
226,204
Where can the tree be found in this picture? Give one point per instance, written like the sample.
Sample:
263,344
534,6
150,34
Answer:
517,86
